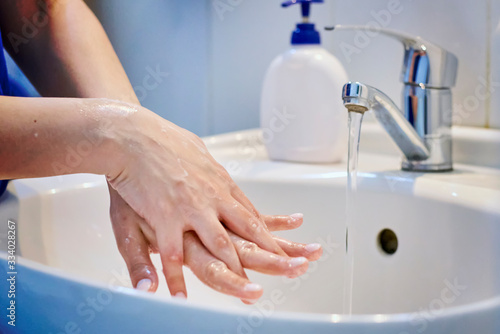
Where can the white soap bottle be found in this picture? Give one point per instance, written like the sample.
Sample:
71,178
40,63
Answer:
302,116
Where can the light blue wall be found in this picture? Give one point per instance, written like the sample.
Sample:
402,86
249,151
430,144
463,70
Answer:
171,36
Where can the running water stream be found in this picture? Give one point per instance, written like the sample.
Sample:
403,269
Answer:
355,120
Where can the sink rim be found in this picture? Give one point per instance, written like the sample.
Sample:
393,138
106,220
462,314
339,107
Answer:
492,303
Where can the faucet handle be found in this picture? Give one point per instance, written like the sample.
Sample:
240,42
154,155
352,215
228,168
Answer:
424,63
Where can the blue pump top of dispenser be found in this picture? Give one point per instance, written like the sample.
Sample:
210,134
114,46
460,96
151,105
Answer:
304,32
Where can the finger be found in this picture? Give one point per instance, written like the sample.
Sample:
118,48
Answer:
135,252
240,221
240,196
294,249
255,258
172,259
133,246
282,223
215,238
215,273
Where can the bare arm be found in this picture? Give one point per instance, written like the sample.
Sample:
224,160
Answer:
67,54
54,136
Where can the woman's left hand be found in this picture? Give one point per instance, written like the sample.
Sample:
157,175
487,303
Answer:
136,241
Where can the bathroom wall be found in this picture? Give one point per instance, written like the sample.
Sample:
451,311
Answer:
461,27
494,120
164,48
216,52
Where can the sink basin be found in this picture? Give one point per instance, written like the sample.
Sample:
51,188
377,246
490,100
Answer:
443,276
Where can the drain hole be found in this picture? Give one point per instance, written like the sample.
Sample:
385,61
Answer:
388,241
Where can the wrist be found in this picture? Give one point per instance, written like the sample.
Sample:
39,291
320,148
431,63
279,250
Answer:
109,130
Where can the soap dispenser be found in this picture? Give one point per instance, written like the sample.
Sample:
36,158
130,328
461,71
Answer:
301,111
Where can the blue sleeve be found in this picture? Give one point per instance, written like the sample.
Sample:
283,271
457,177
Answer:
4,77
3,186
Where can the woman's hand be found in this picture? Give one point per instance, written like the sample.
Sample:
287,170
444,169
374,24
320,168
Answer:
136,239
169,179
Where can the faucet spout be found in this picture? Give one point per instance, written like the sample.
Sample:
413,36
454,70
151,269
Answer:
360,98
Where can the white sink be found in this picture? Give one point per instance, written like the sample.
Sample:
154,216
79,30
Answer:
444,276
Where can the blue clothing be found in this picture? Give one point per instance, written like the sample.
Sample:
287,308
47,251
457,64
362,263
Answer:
4,90
4,78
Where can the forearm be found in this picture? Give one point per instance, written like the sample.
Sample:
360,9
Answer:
70,55
53,136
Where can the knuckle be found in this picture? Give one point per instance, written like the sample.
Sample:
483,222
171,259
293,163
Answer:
140,269
214,269
173,257
187,211
247,246
210,191
124,245
221,241
118,217
254,226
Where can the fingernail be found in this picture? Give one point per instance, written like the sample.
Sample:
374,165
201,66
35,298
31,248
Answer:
297,216
312,247
297,261
250,301
144,284
181,295
252,287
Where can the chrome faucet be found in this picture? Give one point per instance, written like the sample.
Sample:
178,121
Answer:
423,129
